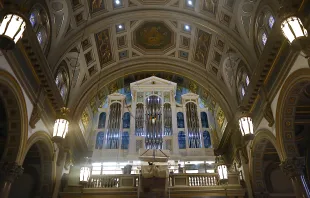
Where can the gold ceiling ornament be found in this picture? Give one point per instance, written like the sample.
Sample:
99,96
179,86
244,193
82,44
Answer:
192,87
113,88
220,117
85,119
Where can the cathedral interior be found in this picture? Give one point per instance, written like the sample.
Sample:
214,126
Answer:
154,98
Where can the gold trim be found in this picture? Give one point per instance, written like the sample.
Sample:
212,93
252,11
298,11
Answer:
7,79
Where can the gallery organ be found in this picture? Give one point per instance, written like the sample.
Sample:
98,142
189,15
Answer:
152,120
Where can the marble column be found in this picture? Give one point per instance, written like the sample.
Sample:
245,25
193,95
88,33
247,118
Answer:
11,171
294,168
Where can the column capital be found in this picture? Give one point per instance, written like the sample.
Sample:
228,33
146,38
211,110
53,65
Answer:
293,167
12,171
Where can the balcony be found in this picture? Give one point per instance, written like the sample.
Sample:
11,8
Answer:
177,185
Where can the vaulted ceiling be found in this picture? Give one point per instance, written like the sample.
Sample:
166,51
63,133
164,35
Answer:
101,41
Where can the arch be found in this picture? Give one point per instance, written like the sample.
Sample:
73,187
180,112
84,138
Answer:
16,109
286,107
197,75
258,146
42,140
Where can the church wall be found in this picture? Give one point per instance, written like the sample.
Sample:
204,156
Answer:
40,126
300,62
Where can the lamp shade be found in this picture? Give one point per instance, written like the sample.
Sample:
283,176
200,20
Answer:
11,30
222,171
246,125
84,174
61,125
61,128
292,28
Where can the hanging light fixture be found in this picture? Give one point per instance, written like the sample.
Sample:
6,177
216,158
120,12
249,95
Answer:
11,30
246,127
85,172
61,125
293,28
221,169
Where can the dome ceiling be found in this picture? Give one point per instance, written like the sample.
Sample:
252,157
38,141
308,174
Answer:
103,40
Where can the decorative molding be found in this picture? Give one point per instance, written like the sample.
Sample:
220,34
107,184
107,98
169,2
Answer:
268,114
35,116
293,167
12,171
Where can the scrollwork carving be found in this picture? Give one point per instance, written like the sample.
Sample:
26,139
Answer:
293,167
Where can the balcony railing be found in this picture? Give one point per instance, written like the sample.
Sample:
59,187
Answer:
197,179
113,181
175,180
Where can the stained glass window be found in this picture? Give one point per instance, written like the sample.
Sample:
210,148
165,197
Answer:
204,120
180,119
206,139
271,21
126,120
39,37
102,118
182,140
99,140
247,80
33,19
264,38
125,140
242,91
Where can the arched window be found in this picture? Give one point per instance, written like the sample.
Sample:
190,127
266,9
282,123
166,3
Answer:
99,140
182,140
102,118
242,91
125,140
39,21
204,120
271,21
206,139
180,120
126,120
243,81
264,38
62,83
264,23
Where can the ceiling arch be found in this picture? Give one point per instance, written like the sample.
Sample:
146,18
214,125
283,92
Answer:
79,103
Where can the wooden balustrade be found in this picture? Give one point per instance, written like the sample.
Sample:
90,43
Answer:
175,180
197,179
113,181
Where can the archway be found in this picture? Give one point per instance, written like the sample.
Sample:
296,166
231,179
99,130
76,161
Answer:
292,117
267,176
14,120
3,127
39,168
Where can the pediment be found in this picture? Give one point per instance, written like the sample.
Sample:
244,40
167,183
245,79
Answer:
153,82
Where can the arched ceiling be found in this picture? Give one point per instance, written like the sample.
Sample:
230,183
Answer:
155,36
